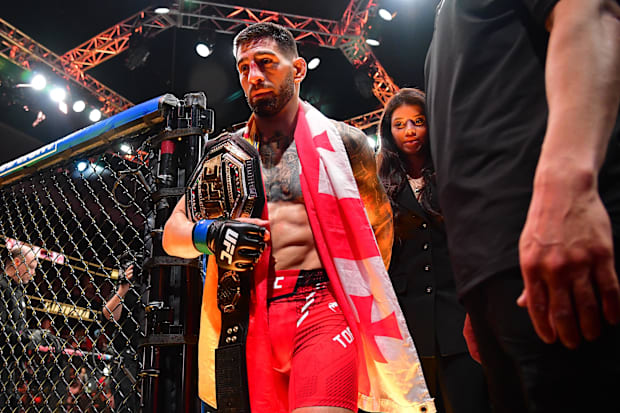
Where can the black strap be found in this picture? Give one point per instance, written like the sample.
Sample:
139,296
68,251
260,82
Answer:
231,377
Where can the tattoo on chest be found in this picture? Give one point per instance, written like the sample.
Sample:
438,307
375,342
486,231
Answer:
280,166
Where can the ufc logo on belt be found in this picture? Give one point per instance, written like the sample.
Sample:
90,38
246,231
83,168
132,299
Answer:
230,241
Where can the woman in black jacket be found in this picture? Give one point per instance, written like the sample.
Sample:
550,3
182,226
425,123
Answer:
420,268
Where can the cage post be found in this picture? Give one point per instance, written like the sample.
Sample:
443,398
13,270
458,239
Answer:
176,283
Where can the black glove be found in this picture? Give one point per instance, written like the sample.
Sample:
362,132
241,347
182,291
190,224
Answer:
236,245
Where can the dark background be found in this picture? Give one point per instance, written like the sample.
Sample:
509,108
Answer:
335,87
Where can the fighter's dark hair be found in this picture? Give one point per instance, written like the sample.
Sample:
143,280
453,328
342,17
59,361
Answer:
281,35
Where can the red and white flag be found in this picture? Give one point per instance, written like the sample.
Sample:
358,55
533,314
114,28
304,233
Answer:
390,374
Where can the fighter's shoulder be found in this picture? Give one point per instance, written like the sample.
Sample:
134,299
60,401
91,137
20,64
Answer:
353,138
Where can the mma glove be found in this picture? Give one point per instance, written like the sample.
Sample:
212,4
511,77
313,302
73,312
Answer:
235,245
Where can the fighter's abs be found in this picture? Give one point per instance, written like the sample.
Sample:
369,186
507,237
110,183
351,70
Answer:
280,168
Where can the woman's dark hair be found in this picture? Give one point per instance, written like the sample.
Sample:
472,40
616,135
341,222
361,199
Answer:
391,163
281,35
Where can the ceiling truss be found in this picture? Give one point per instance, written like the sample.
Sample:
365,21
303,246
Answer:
347,34
23,51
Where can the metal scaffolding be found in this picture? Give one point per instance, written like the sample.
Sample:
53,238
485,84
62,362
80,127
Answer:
347,34
23,51
367,120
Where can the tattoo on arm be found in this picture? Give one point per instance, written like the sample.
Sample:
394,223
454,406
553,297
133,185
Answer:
371,191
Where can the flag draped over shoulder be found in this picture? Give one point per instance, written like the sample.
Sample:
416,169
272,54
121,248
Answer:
390,375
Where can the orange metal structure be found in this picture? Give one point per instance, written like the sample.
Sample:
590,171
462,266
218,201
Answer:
22,50
347,34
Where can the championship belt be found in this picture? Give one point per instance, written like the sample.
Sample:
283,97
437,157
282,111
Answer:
228,184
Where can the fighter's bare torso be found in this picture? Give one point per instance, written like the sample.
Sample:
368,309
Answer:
292,241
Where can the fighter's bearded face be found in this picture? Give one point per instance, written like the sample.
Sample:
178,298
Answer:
266,76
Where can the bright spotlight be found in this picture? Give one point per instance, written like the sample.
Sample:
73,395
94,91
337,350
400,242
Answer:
203,49
385,15
94,115
38,82
81,166
314,63
58,94
372,42
79,106
205,42
63,107
162,10
125,148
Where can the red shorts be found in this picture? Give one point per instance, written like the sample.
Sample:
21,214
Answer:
312,343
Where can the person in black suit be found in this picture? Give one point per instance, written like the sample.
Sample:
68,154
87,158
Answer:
420,269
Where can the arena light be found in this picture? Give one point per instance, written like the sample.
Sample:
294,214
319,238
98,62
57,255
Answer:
125,148
81,166
94,115
79,106
63,107
38,82
314,63
373,31
385,15
58,94
203,49
162,6
205,43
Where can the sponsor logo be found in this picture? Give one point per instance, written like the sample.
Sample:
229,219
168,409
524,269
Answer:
69,310
276,283
31,157
305,309
230,242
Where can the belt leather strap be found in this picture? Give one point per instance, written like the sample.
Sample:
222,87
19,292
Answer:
228,184
231,379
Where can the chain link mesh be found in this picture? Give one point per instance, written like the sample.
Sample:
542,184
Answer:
72,283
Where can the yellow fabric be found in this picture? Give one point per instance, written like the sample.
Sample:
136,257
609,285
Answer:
210,326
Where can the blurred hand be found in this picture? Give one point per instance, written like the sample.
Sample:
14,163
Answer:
566,254
129,273
123,288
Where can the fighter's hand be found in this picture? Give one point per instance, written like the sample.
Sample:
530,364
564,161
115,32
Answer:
236,245
566,256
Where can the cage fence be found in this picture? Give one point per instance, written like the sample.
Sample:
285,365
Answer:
73,285
94,316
